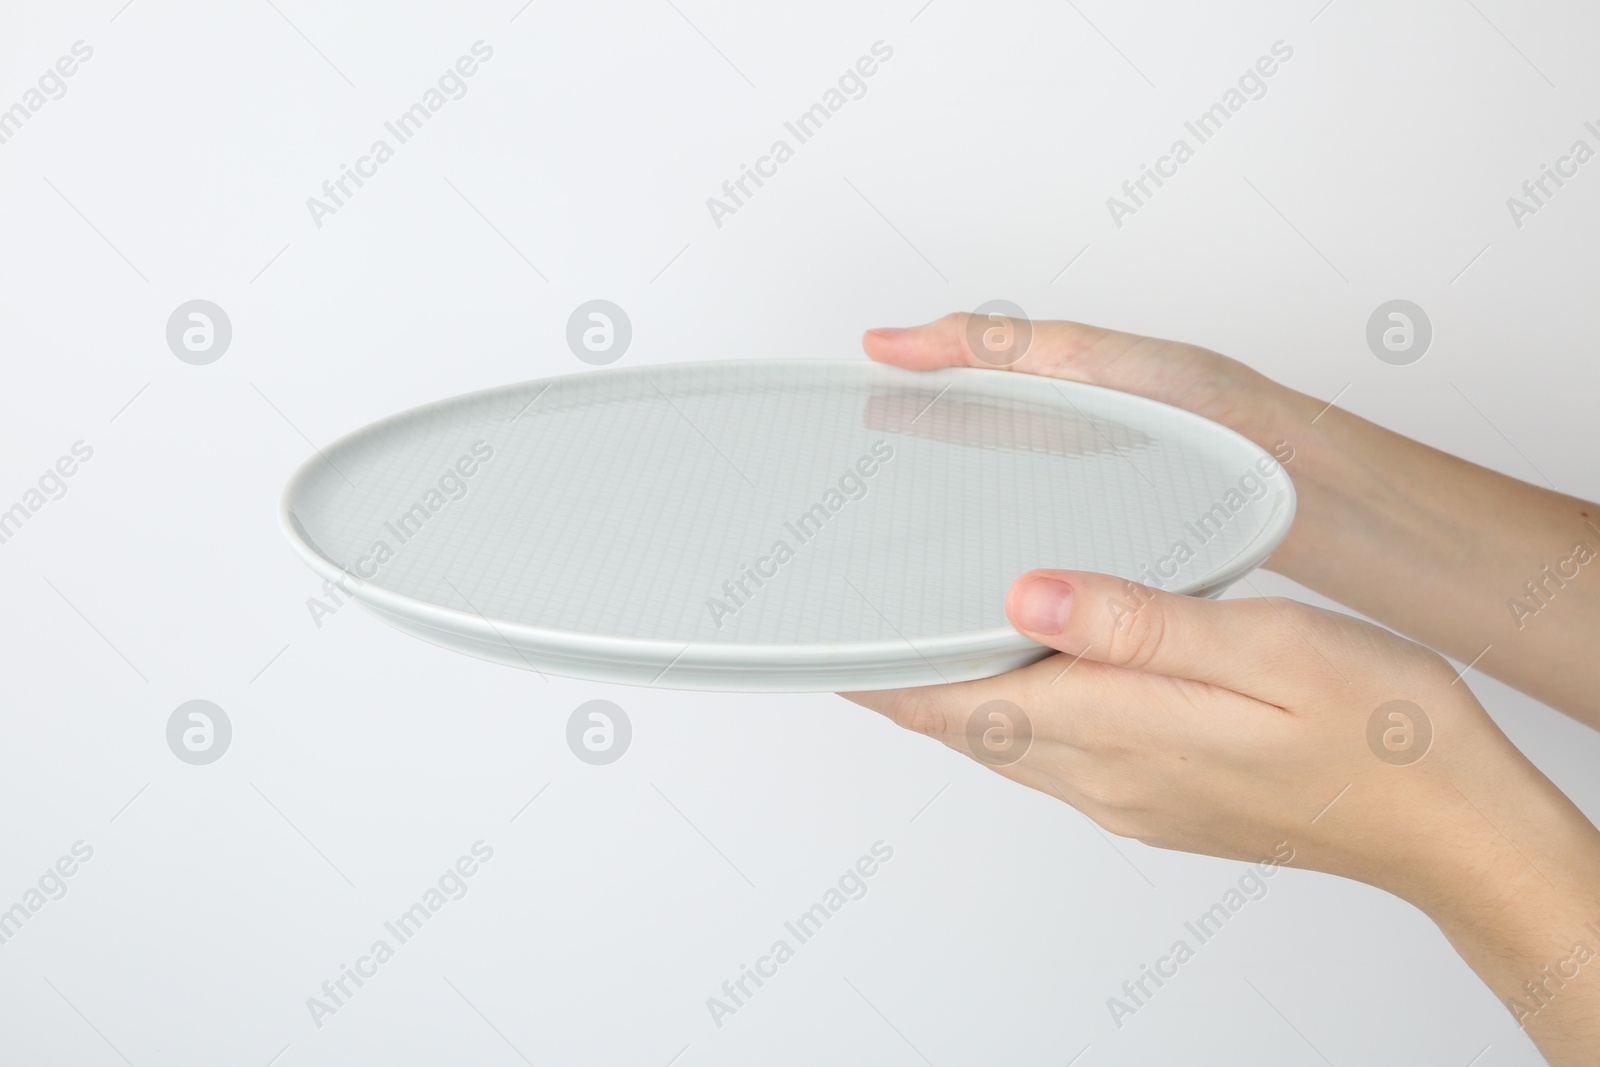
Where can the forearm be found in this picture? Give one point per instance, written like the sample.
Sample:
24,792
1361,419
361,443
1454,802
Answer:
1451,554
1524,912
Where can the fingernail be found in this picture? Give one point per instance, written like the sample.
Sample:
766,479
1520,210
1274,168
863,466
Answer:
888,331
1043,605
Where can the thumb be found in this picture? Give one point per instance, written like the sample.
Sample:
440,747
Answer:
1256,647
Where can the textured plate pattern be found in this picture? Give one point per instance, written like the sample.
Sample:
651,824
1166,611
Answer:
717,510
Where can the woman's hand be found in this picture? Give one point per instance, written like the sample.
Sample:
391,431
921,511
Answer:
1233,727
1183,375
1269,731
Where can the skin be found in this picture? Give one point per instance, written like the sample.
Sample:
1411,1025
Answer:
1237,727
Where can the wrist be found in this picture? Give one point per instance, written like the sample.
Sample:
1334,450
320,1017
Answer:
1530,928
1266,412
1281,421
1522,881
1535,942
1338,495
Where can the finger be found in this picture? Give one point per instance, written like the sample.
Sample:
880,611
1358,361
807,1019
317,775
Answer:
939,711
1012,707
1254,647
1057,349
1083,731
1003,741
1065,739
1057,701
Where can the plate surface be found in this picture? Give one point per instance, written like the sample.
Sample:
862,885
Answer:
772,526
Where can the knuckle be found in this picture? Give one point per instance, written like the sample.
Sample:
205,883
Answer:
919,710
1121,823
1290,627
1437,670
1136,639
952,340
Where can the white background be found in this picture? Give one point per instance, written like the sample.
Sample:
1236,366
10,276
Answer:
363,763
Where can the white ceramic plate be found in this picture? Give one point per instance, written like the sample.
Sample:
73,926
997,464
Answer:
772,526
